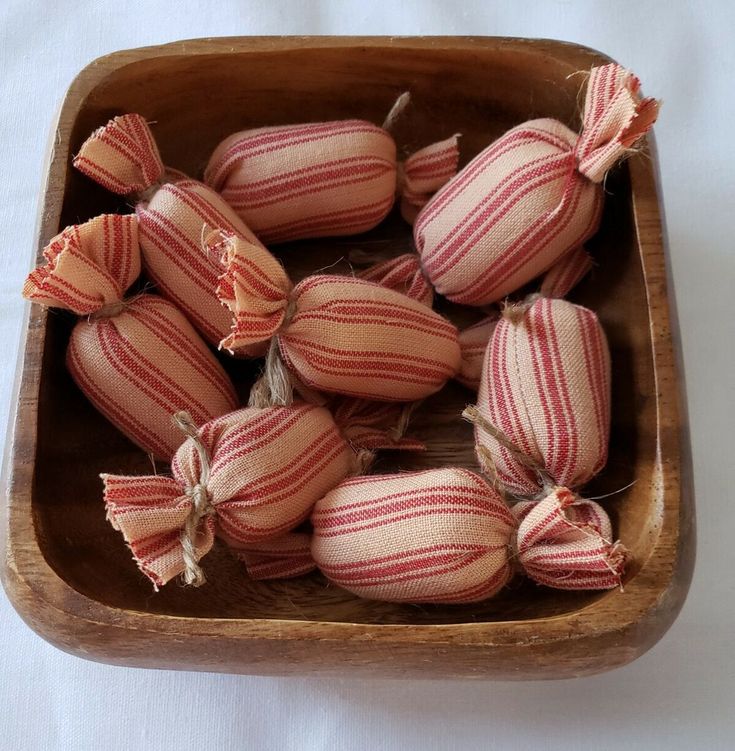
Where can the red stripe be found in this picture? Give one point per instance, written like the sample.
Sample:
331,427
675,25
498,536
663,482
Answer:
481,492
517,185
185,191
247,147
419,567
377,364
100,175
144,375
454,500
505,409
310,181
184,253
124,420
325,448
512,140
284,483
565,409
252,436
166,331
256,427
332,221
417,514
595,372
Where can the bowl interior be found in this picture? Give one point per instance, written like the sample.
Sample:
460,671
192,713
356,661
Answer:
194,101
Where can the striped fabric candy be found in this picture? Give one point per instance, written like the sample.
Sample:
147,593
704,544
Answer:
564,525
403,274
423,173
473,342
558,281
291,182
334,334
283,558
137,360
173,213
531,196
248,477
447,536
566,273
546,388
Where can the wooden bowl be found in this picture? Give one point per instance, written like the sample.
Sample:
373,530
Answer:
69,574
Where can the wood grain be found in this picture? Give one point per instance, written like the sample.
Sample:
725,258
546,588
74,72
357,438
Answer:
69,574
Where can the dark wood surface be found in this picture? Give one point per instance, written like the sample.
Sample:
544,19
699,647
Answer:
69,574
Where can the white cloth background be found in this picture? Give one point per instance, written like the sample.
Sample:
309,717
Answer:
679,695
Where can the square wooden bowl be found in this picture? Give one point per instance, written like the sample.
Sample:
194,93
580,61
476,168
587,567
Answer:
69,574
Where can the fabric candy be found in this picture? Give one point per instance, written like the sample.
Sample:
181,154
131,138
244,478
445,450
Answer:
173,213
446,536
473,343
248,477
531,196
403,274
332,333
544,397
566,273
137,360
283,558
558,281
290,182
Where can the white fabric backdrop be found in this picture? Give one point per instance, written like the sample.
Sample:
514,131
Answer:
678,695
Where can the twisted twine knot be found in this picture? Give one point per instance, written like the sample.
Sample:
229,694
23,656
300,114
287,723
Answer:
275,386
145,195
544,479
514,311
167,177
202,506
110,310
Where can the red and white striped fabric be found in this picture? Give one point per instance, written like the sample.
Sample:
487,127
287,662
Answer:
267,468
336,334
473,343
615,117
403,274
531,196
136,360
283,558
290,182
546,385
446,536
122,156
558,281
566,543
173,216
424,172
566,273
